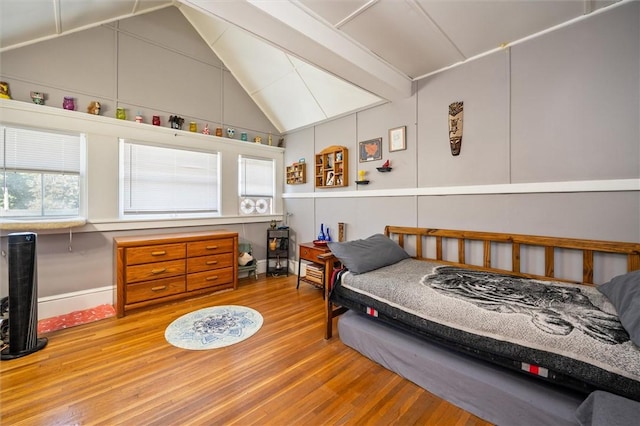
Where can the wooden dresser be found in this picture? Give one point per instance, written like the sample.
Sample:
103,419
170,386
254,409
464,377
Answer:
152,269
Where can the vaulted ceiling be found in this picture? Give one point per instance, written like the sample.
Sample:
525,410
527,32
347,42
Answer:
331,56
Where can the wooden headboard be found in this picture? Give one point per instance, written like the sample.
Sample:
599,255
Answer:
417,241
491,240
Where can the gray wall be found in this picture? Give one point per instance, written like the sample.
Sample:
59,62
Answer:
560,107
153,63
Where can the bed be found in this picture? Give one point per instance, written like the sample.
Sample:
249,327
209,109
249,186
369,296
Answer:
518,307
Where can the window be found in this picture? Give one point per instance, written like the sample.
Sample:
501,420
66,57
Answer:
256,185
168,182
40,175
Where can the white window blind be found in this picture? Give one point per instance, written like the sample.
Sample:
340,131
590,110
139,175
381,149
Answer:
256,185
33,150
159,180
256,177
40,172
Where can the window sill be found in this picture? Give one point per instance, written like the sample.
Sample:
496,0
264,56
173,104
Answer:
38,224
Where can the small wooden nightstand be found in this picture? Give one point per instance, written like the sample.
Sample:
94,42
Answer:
311,252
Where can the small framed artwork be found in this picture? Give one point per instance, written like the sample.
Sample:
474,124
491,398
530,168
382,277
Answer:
398,139
330,179
371,150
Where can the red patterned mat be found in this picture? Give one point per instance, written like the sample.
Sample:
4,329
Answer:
76,318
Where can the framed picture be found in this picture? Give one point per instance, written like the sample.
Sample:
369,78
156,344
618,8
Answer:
370,150
398,139
330,177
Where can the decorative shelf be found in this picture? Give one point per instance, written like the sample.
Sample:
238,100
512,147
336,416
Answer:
384,169
331,167
362,182
296,174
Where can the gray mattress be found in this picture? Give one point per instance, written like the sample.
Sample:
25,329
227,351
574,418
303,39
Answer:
561,333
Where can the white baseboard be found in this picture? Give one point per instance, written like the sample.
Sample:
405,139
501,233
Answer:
62,304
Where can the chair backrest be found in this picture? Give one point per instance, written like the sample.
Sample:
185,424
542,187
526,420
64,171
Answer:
244,248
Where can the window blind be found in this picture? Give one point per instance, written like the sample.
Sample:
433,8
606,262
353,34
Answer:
40,172
159,180
33,150
256,177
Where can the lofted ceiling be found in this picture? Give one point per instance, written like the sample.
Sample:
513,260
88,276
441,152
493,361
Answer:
331,56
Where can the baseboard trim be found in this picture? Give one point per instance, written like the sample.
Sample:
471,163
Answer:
62,304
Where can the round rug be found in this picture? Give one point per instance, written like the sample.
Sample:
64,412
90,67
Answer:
215,327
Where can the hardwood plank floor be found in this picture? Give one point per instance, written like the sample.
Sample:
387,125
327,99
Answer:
122,371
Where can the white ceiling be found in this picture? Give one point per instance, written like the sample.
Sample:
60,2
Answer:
319,58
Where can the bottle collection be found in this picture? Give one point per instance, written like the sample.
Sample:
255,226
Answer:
324,233
95,108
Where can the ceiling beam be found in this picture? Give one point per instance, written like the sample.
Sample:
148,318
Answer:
288,26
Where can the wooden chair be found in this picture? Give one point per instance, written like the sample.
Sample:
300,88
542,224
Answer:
249,269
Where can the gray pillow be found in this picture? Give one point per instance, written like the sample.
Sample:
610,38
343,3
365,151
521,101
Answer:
360,256
624,292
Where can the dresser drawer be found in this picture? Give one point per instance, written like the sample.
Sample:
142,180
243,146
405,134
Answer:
207,263
155,289
152,271
210,279
155,253
311,254
207,247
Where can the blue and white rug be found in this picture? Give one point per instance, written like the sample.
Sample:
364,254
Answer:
215,327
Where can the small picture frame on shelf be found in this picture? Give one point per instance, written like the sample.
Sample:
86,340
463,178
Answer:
398,139
330,179
370,150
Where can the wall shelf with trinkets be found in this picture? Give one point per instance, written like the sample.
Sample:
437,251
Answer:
332,167
296,174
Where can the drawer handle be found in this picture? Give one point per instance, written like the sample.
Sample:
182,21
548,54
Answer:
159,288
158,271
215,277
211,262
212,247
158,253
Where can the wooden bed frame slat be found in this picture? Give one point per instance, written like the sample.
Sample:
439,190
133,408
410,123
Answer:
486,256
515,257
549,261
517,242
587,266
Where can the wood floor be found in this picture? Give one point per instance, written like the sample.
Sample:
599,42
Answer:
122,371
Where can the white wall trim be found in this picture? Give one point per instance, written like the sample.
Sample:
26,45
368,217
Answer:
61,304
610,185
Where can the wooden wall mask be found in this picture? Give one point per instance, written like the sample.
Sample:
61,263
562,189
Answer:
455,127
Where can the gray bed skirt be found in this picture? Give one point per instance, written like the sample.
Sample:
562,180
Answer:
492,393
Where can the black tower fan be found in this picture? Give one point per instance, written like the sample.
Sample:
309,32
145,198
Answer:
23,297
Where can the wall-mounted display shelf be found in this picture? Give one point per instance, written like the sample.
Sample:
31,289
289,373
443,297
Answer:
296,174
332,167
